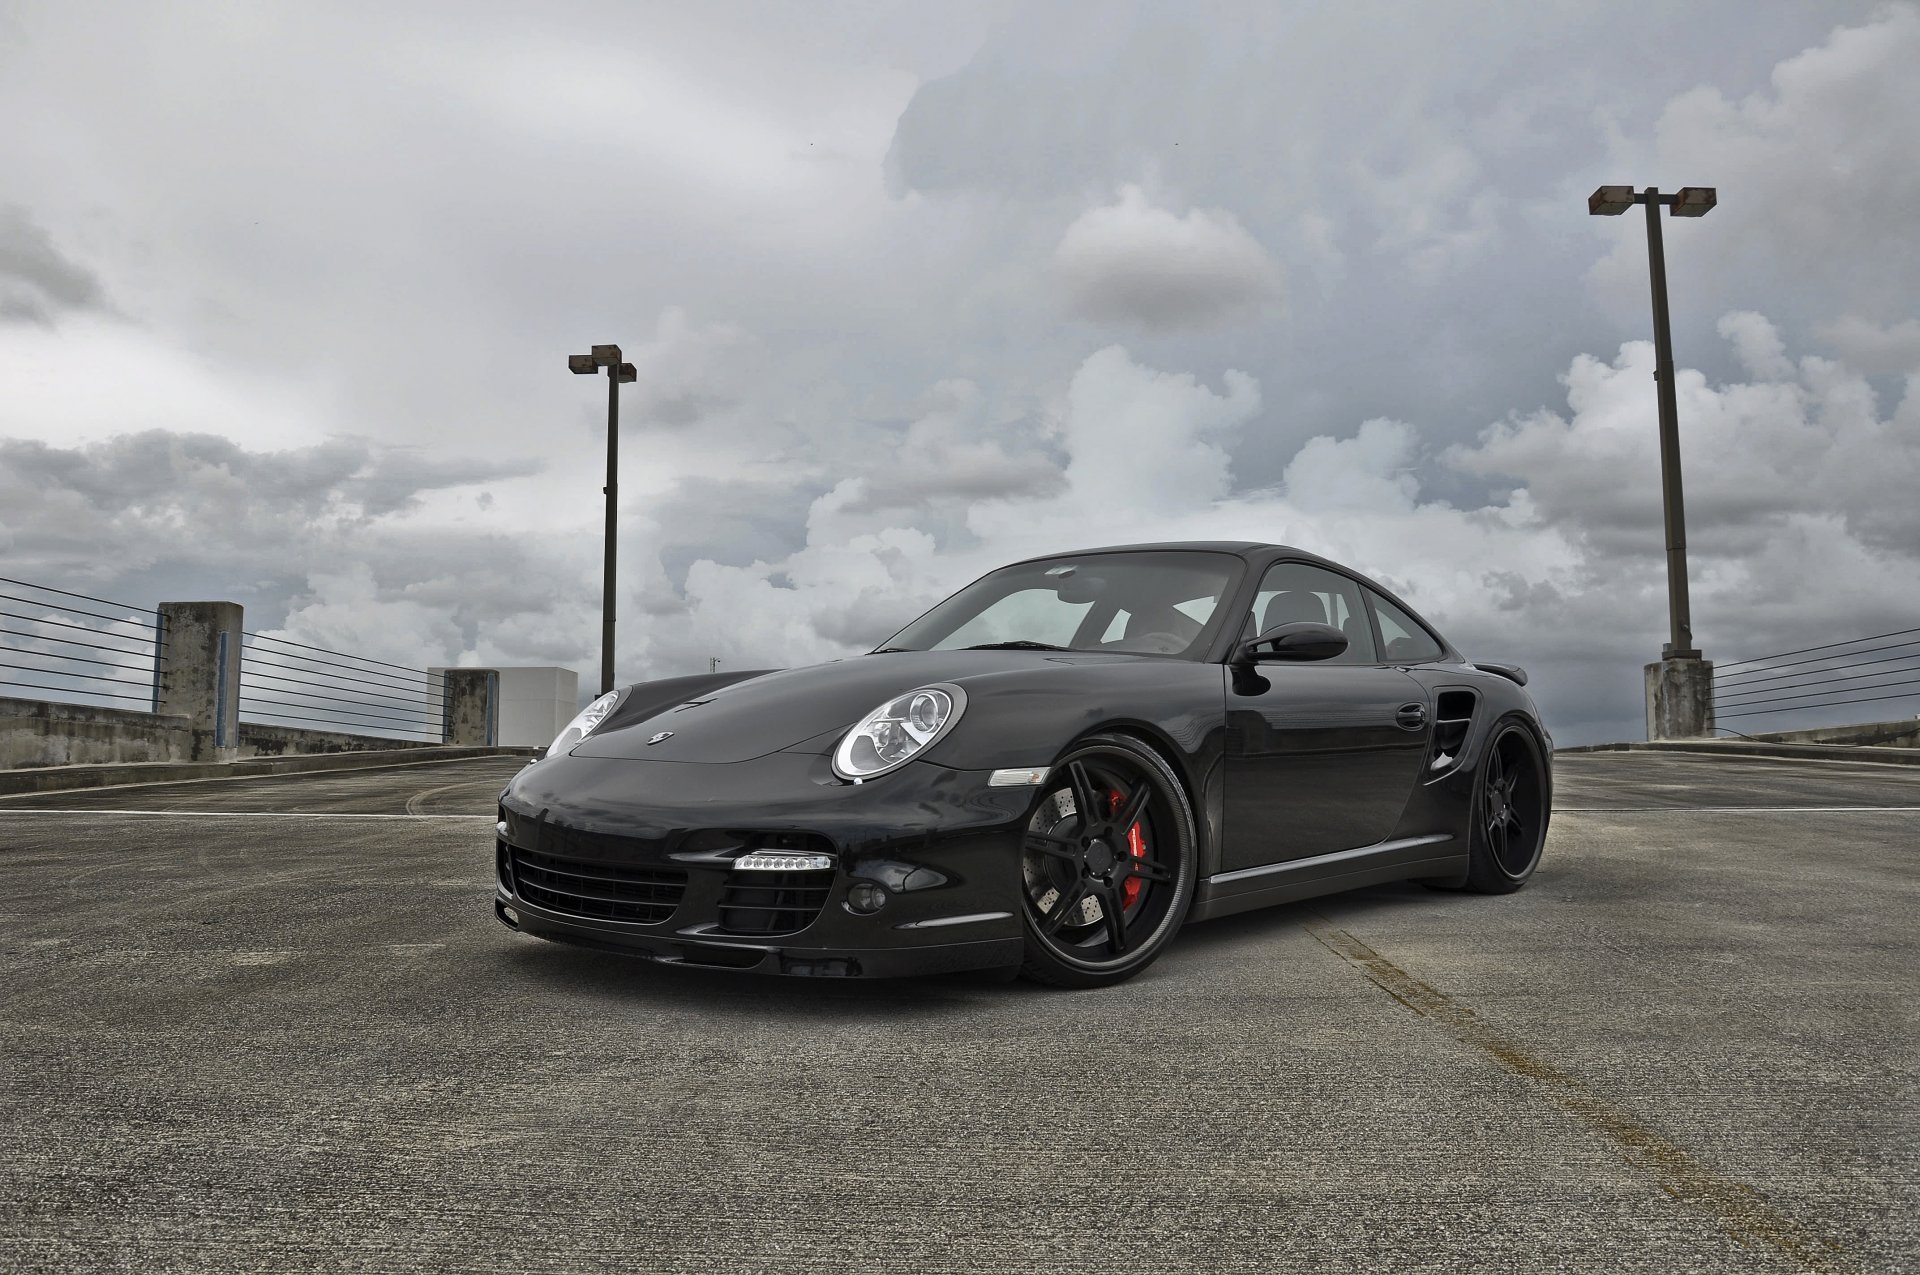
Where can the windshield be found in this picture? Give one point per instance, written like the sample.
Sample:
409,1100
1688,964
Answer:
1150,603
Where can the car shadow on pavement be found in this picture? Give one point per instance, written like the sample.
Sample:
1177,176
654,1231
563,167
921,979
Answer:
590,974
1242,929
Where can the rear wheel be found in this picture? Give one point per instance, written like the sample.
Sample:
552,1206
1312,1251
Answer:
1107,866
1509,814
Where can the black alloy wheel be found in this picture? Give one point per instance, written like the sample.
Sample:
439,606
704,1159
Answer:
1509,816
1108,864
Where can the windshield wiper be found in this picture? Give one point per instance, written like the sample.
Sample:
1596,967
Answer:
1020,645
890,650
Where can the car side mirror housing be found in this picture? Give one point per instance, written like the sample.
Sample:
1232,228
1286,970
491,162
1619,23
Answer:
1301,640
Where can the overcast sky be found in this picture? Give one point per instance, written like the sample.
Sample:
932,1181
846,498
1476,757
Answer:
286,294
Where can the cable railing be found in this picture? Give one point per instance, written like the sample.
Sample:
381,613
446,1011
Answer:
283,682
42,652
1819,678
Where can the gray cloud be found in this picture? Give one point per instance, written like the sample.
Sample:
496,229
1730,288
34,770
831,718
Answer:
38,281
1133,261
840,250
158,501
1874,347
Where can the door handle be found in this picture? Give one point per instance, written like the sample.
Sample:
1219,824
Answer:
1411,716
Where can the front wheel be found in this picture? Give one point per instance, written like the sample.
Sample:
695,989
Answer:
1108,864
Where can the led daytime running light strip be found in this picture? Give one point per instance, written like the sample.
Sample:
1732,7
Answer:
782,861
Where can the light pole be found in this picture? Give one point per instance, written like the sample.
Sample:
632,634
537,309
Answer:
618,374
1680,686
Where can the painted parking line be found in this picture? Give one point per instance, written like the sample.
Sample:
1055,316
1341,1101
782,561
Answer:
238,814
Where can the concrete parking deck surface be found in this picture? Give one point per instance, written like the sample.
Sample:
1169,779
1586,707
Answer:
272,1024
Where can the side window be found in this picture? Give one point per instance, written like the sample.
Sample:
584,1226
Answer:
1404,638
1293,591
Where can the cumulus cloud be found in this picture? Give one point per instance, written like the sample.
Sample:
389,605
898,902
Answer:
145,493
1803,517
1757,455
1817,187
1563,570
199,515
1873,347
1757,344
953,453
1133,261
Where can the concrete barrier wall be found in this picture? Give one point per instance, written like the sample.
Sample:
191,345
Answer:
258,739
41,733
1902,734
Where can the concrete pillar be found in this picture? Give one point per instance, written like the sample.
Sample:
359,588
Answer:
534,703
472,706
1679,699
196,673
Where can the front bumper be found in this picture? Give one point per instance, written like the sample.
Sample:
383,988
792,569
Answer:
637,857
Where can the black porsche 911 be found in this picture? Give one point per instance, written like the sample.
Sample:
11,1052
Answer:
1052,770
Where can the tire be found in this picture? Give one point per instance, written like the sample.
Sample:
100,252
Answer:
1102,898
1507,821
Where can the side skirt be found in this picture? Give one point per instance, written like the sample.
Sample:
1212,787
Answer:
1225,893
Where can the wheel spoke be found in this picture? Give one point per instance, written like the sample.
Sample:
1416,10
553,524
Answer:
1069,901
1134,806
1058,847
1116,924
1086,802
1519,842
1497,841
1148,870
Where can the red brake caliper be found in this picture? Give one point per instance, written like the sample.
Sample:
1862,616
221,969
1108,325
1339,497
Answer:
1136,846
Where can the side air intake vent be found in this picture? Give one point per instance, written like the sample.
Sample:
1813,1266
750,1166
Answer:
1453,717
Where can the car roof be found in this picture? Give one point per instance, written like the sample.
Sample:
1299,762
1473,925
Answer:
1239,548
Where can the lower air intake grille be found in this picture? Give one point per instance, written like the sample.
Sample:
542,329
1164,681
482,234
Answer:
600,891
773,902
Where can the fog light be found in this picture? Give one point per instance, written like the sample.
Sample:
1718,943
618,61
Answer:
866,898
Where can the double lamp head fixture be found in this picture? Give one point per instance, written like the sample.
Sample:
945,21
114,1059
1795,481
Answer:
603,356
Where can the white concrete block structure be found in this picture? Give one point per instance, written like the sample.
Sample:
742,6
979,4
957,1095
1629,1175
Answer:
534,703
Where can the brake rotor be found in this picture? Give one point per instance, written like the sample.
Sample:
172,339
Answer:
1047,877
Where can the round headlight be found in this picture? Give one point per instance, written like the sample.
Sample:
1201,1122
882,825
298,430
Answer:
583,723
898,731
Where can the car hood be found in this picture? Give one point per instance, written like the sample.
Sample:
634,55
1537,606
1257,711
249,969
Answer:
776,711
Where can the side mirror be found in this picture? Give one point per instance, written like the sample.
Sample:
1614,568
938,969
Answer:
1301,640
